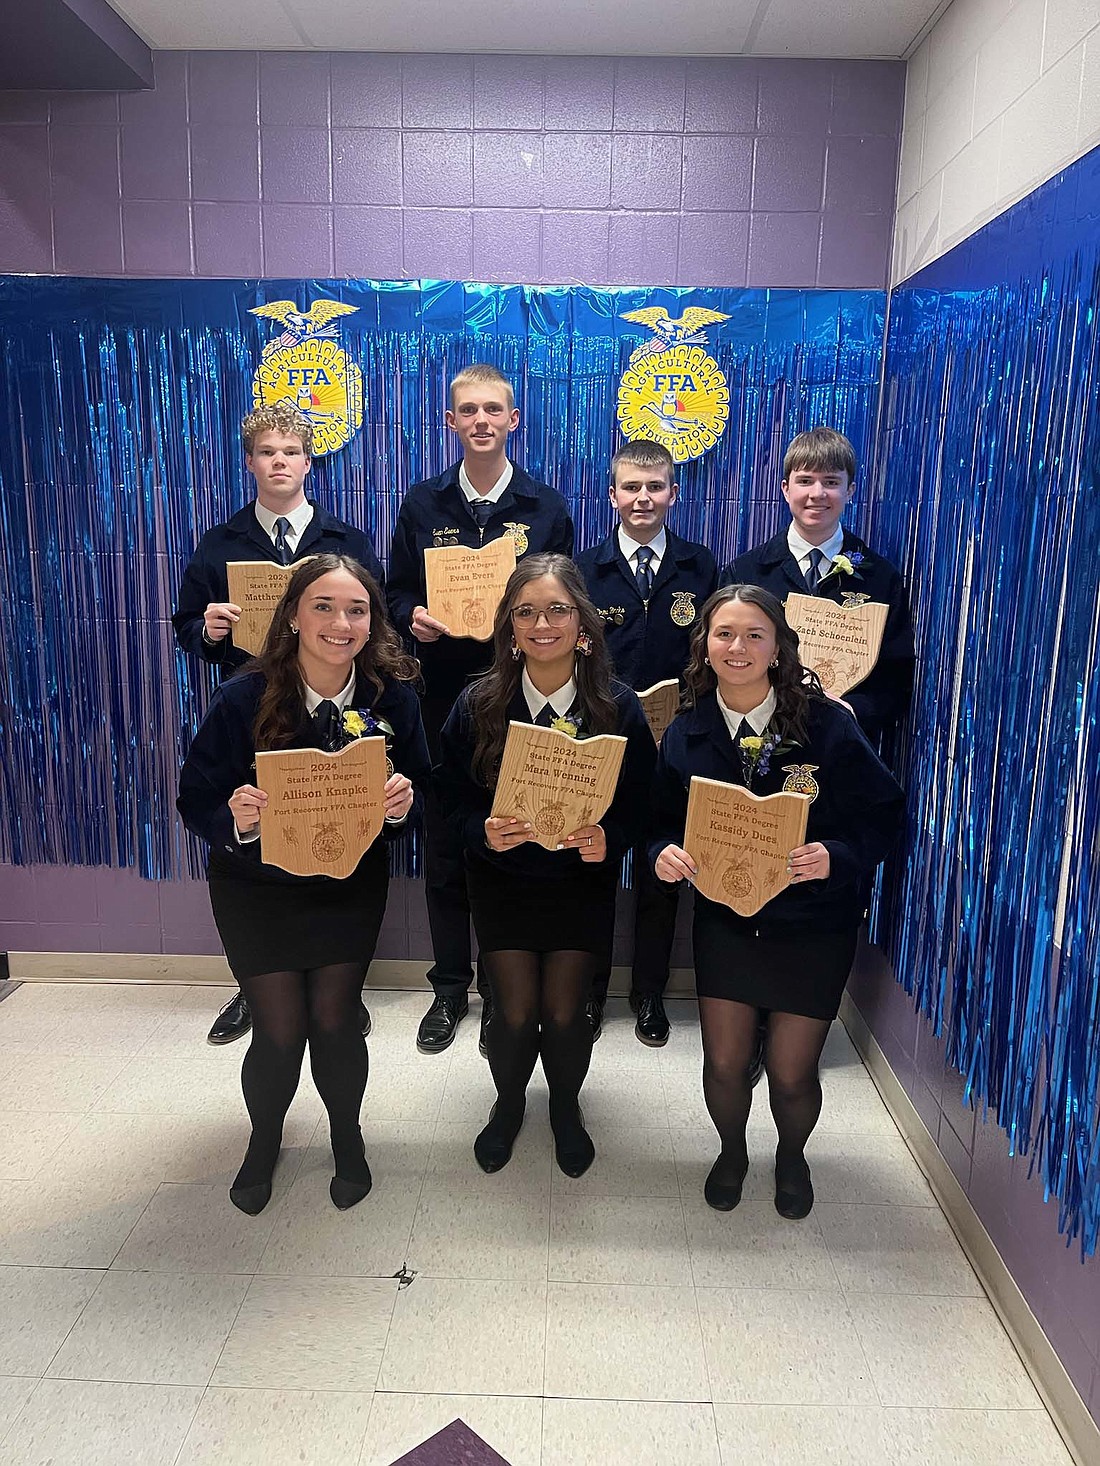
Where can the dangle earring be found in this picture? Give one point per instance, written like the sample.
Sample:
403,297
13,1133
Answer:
293,629
584,644
515,650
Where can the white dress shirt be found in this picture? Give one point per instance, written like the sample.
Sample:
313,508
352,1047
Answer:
299,519
472,495
629,548
757,718
801,549
561,701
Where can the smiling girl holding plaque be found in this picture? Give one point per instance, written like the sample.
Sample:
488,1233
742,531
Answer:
543,917
759,719
332,670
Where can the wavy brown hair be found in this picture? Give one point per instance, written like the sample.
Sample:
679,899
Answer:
283,704
793,683
491,695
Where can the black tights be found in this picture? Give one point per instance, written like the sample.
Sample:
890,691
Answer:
794,1088
539,1003
289,1009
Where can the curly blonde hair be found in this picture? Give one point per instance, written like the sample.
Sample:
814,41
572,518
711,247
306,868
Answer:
277,417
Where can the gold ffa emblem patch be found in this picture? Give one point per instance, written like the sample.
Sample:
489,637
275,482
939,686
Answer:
519,535
850,599
683,607
800,780
307,368
441,537
673,391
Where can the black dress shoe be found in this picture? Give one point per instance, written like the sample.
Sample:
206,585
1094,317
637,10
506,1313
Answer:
347,1194
493,1147
251,1199
440,1023
794,1192
365,1023
595,1016
722,1190
756,1063
234,1021
652,1025
482,1033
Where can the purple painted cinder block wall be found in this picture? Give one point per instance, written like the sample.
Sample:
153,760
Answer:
541,170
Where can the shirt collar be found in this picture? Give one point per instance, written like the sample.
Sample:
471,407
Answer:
757,718
342,699
494,493
630,547
561,701
299,518
801,548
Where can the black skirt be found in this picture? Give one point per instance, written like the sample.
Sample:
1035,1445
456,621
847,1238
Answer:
802,973
574,912
294,926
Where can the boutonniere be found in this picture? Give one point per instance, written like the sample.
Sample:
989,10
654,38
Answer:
361,723
845,565
571,727
757,753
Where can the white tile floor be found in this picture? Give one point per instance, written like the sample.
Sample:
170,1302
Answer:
570,1323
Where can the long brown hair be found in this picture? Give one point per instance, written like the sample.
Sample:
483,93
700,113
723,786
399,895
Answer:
282,706
794,684
491,695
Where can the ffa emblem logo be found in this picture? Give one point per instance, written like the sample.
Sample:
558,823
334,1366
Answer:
850,599
612,615
683,607
673,391
305,367
801,780
519,534
441,537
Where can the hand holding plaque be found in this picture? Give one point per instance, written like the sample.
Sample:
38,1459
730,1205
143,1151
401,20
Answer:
257,586
660,703
840,643
556,783
324,810
465,586
740,842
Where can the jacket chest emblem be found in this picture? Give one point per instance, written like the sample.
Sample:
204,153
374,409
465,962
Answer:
519,535
683,611
611,615
441,537
800,780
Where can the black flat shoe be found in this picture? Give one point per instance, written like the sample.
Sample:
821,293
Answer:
347,1194
724,1193
573,1148
794,1192
365,1024
594,1011
652,1027
233,1022
493,1147
440,1024
251,1199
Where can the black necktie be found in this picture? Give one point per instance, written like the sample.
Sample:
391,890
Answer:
546,717
481,509
813,576
282,545
644,575
326,716
745,730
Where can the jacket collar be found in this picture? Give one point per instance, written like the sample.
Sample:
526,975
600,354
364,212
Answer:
520,486
679,554
245,525
705,724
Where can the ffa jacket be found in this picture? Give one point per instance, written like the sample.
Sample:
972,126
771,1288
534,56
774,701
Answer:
222,757
435,512
856,812
467,803
242,538
649,643
882,699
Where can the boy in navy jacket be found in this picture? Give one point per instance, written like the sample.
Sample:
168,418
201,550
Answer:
475,501
815,555
647,584
282,525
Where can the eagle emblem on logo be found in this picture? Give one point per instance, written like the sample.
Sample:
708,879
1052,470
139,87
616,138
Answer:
682,610
519,535
800,780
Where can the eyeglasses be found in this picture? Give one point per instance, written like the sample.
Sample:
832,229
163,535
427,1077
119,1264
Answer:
556,615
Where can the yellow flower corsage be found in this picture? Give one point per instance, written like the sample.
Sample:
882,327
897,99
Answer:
354,724
566,725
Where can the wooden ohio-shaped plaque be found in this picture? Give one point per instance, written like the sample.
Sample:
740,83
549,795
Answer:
257,586
324,810
660,703
465,586
560,784
740,841
840,643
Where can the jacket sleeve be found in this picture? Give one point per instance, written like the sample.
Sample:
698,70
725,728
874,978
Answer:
867,811
410,756
404,588
711,581
464,802
669,796
196,593
882,700
625,820
562,535
219,760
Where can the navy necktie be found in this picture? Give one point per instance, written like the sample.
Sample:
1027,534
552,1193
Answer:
546,718
282,544
326,716
644,575
813,576
481,510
